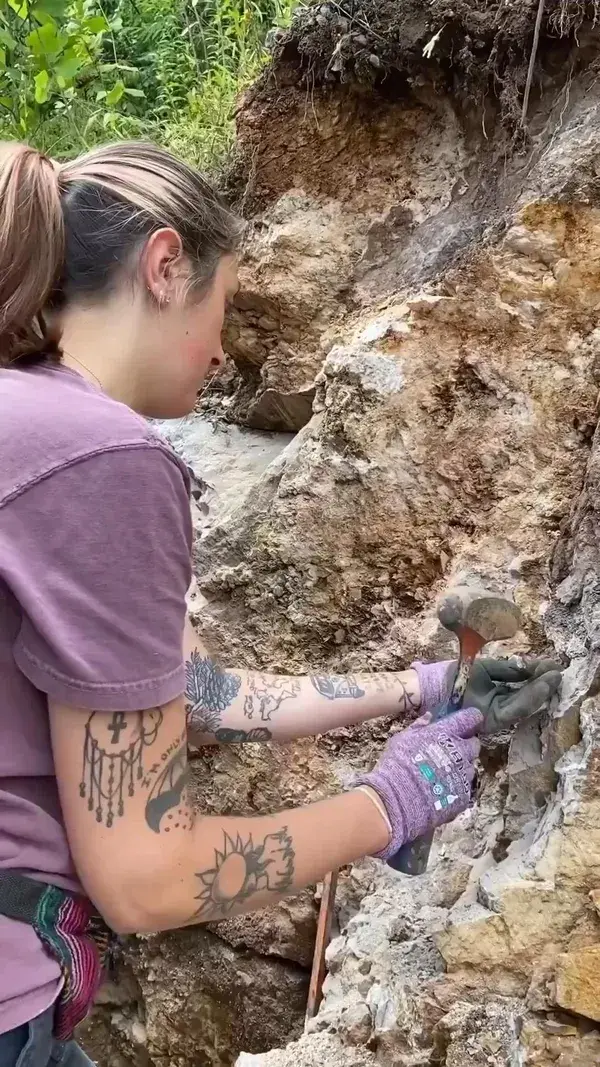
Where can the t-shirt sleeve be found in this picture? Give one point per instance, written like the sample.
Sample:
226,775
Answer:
98,556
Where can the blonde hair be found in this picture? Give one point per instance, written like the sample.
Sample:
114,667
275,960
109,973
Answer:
70,231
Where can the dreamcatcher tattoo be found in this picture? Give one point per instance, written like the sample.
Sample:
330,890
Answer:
112,759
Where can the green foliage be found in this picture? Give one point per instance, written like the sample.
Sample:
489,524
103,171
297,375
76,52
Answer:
226,38
51,53
77,72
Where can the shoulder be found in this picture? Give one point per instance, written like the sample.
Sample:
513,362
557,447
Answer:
52,419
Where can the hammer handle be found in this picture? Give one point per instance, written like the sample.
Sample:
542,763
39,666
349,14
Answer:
413,857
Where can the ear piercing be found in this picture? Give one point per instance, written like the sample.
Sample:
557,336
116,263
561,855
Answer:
162,297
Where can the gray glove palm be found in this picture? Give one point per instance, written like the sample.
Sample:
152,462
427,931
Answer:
502,690
505,692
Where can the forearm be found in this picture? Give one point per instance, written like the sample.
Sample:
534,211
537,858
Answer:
229,706
233,865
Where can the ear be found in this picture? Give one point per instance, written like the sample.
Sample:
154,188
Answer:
161,263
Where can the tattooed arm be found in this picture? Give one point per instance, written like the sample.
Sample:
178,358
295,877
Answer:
232,706
148,861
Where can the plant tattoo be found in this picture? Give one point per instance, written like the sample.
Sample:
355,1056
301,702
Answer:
267,694
242,868
208,692
112,765
387,683
228,736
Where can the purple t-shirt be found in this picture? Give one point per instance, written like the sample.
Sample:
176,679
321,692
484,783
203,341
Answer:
95,546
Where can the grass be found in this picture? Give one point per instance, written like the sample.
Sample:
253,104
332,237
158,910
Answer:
225,54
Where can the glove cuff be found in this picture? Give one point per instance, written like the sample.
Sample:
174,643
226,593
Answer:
396,798
433,683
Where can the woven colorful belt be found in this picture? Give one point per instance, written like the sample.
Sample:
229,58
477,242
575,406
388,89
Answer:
71,932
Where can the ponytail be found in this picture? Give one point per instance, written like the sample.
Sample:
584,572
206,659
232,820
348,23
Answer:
31,250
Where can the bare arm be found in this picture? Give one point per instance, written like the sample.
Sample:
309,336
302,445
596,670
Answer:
148,862
233,706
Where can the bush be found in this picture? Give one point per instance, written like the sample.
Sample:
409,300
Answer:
77,72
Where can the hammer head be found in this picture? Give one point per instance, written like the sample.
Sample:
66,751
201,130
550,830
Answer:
491,616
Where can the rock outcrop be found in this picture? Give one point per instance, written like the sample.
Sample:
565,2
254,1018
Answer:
419,308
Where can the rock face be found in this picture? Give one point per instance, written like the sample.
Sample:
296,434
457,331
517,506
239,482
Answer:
419,307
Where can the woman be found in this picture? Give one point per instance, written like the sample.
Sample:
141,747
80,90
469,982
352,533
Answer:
115,272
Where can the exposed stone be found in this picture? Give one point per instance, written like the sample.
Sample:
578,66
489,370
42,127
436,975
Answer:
478,1035
578,981
568,1048
313,1052
227,460
413,474
287,931
300,255
474,937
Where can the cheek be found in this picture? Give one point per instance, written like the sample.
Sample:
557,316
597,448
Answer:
202,341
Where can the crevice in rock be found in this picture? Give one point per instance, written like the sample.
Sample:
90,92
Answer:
191,996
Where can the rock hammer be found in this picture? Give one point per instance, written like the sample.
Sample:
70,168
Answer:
476,616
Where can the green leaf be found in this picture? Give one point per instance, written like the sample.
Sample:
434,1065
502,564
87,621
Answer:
7,39
115,93
47,41
100,95
68,66
2,58
41,17
96,24
135,92
91,122
42,87
105,68
20,7
54,8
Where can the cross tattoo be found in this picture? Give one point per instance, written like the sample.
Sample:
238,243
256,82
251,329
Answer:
117,724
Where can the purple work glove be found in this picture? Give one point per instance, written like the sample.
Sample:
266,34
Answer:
425,774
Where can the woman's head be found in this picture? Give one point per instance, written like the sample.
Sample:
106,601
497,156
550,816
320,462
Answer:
123,260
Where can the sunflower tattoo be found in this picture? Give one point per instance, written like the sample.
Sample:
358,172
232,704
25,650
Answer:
242,868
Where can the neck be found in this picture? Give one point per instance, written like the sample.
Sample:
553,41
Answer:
99,343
